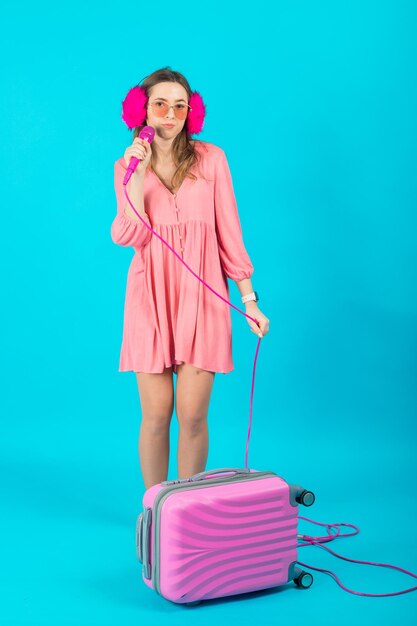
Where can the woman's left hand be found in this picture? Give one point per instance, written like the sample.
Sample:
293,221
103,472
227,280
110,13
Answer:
253,310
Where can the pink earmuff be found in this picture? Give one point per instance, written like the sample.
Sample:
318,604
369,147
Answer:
134,110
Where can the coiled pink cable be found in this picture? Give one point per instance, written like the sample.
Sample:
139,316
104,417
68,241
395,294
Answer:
310,540
317,541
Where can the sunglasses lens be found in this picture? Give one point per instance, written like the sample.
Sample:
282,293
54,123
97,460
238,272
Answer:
181,111
160,109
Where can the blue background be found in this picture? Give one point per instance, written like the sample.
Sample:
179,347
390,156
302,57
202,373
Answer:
315,106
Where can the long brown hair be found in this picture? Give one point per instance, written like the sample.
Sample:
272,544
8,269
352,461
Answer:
184,153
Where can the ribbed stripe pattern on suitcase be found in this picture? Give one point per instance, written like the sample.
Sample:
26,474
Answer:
219,537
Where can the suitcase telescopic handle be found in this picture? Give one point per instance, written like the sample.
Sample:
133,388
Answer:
220,470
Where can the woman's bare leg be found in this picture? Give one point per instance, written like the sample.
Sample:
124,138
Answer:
156,392
194,387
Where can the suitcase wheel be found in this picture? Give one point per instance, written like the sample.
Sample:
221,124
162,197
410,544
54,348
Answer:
304,580
306,498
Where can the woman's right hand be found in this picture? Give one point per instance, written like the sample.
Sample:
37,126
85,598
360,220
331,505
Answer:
140,149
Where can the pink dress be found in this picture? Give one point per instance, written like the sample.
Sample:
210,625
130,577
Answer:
170,317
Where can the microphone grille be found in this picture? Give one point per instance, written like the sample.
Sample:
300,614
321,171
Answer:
148,133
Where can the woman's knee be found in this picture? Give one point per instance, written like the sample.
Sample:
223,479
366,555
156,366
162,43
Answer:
194,387
156,423
156,393
193,423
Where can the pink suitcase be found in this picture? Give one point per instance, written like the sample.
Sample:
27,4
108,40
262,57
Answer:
220,533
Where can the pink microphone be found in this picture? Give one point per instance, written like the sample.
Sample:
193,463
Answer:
148,133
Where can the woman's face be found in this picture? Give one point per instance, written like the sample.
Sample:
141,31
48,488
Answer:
171,93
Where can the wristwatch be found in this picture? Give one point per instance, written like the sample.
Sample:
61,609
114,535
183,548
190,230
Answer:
251,296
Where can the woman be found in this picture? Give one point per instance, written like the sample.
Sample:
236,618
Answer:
173,323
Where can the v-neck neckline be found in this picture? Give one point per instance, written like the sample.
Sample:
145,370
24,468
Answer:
165,187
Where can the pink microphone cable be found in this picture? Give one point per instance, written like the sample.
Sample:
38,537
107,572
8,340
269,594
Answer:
317,541
125,181
310,540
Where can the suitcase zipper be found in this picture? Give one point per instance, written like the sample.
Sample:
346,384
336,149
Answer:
153,571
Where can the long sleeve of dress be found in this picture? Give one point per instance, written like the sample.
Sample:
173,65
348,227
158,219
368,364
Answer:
233,255
125,231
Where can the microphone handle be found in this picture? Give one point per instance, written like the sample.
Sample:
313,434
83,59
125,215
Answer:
133,163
